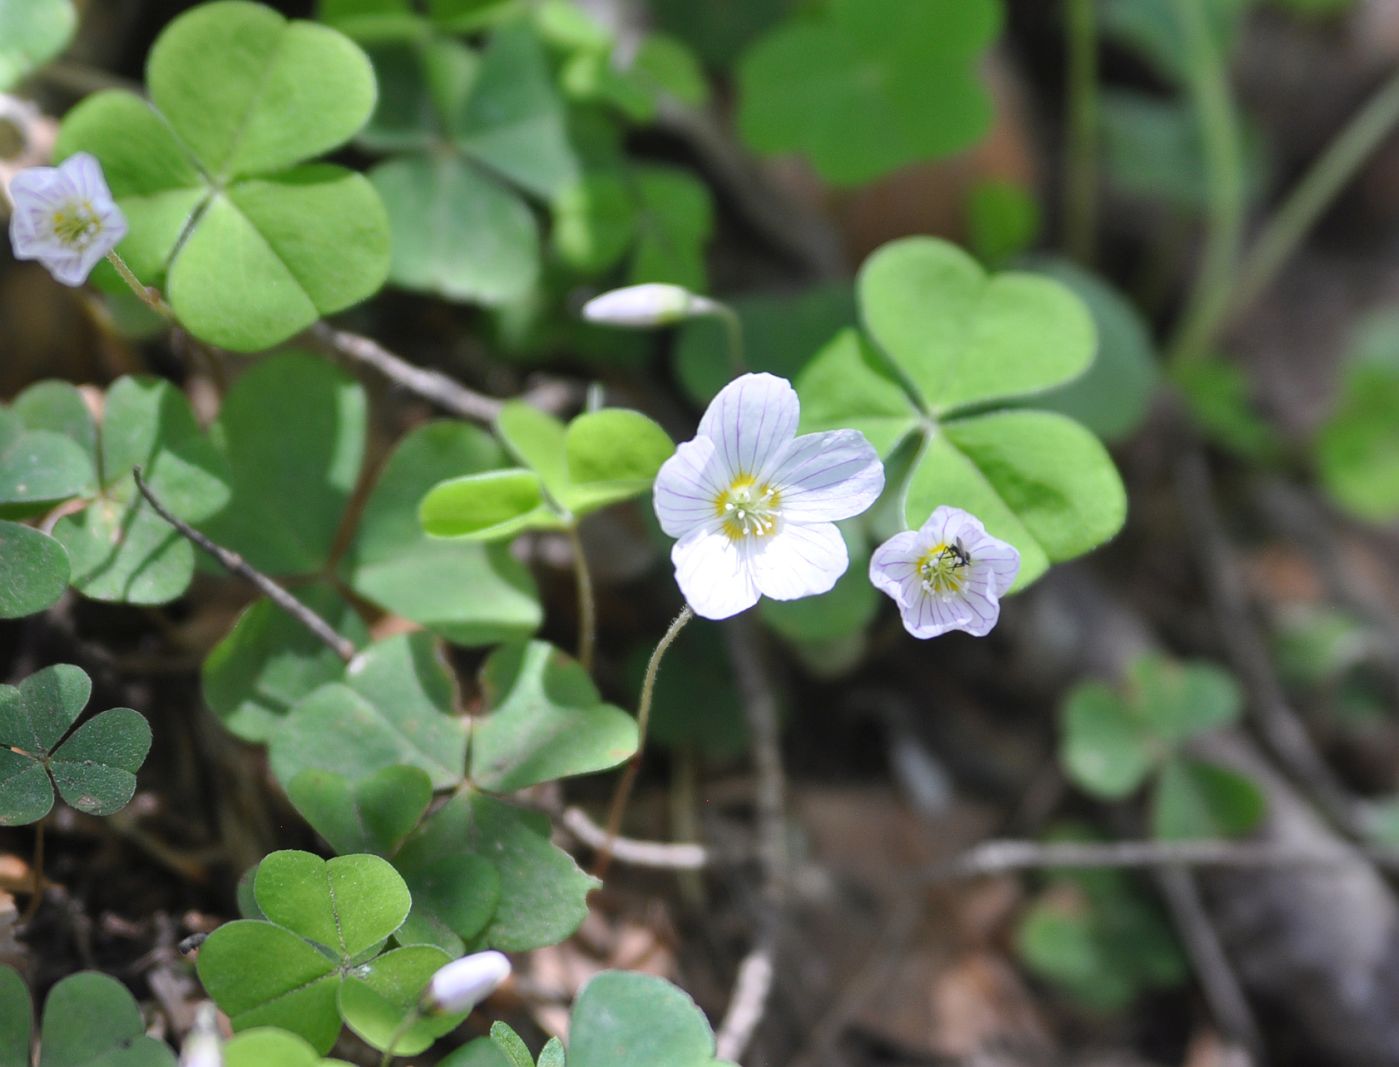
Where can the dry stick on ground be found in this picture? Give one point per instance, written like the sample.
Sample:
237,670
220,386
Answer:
1225,587
658,854
430,384
1003,857
753,985
1218,980
235,564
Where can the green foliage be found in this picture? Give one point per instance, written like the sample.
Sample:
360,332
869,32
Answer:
1114,740
634,1020
90,1020
952,343
600,458
1154,30
318,956
269,1047
31,33
870,86
696,703
1096,936
719,30
475,134
360,758
1004,221
292,430
252,242
94,768
1113,396
1218,396
1357,449
546,721
33,570
118,548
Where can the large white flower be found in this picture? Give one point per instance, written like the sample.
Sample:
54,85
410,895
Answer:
65,217
754,506
949,574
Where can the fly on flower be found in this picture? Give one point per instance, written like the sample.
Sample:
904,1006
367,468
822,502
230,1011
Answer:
949,574
65,217
754,506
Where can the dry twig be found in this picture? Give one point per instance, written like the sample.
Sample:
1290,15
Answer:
658,854
235,564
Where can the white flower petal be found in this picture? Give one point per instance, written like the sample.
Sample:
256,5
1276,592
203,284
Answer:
647,305
464,983
825,477
713,573
750,421
39,193
687,486
799,560
894,564
84,174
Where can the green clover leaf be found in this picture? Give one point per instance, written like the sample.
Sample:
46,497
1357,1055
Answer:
623,1019
599,459
253,243
870,86
316,957
478,133
34,570
947,345
94,769
31,33
90,1020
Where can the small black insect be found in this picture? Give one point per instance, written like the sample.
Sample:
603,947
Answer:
958,552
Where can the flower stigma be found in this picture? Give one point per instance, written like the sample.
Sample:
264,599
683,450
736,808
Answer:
748,509
76,224
943,568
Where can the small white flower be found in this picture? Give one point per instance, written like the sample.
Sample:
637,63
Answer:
950,574
464,983
646,306
65,217
203,1048
754,506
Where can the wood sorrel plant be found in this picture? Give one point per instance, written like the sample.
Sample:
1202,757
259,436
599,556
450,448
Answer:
438,796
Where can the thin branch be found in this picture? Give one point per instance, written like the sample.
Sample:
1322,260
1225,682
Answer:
235,564
431,385
1002,857
753,983
587,600
659,854
1228,594
1081,154
1217,978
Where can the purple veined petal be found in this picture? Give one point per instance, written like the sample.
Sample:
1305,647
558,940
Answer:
894,563
985,610
799,560
69,268
825,477
84,173
750,421
114,227
39,187
687,487
713,573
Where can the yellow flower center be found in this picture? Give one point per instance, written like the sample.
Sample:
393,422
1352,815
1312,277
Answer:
943,568
747,508
76,223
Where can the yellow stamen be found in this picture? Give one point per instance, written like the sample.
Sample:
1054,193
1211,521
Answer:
942,569
76,223
747,508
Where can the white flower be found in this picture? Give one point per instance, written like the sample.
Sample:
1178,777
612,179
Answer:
464,983
65,217
202,1048
948,575
645,306
754,506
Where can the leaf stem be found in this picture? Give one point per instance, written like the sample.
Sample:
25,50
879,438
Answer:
409,1021
587,601
1081,157
1213,99
1314,192
643,721
148,296
733,336
37,896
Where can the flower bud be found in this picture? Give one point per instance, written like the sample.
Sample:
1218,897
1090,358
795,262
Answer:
645,306
464,983
202,1048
